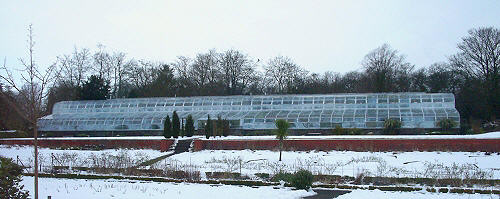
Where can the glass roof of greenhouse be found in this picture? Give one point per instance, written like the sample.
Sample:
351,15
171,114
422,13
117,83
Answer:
415,110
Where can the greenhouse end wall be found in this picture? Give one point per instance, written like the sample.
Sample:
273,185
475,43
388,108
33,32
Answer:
304,112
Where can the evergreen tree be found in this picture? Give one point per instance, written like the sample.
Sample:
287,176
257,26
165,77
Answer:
167,128
208,128
10,177
176,126
183,128
95,88
225,128
218,127
189,126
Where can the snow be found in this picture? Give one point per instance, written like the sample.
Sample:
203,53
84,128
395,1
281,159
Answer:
491,135
344,163
80,158
123,189
376,194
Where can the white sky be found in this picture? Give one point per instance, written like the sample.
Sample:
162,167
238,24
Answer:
319,35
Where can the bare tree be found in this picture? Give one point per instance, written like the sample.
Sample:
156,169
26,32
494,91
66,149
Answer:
118,65
479,58
204,71
281,72
237,71
385,66
34,87
102,62
74,67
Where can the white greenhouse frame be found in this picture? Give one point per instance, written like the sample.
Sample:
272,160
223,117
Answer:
366,111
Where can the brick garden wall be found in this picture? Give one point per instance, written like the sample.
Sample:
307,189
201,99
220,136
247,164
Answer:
162,145
487,145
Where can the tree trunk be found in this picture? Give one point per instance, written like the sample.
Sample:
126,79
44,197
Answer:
35,130
281,148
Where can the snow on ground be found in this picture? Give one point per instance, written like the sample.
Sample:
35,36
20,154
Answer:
248,162
377,194
123,189
80,158
350,163
491,135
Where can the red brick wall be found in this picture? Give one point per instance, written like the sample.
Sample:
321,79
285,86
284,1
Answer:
162,145
490,145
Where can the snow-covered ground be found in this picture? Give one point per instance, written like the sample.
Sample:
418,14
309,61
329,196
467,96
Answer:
249,162
377,194
491,135
350,163
123,189
79,158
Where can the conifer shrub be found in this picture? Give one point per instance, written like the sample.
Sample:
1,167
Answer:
302,179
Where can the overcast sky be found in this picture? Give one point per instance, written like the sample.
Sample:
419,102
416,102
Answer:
319,35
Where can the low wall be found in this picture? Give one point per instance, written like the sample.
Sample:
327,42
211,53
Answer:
487,145
157,144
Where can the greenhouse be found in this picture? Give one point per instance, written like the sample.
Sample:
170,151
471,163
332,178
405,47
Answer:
326,111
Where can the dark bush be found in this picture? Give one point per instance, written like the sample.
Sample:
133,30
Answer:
14,134
356,131
287,177
392,126
10,177
302,179
338,130
446,124
264,176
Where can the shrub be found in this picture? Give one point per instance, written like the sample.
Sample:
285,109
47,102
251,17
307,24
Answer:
262,175
302,179
167,127
208,128
15,134
176,125
392,126
446,124
338,130
189,126
282,176
225,128
356,131
10,177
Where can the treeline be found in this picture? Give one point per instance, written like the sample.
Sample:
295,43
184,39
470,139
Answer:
472,74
